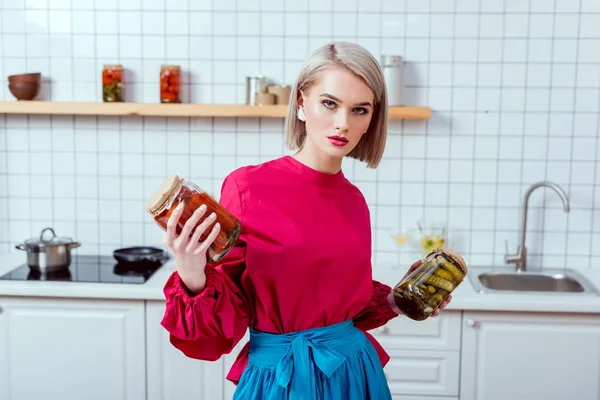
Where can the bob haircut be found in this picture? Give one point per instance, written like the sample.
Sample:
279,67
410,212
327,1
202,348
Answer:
359,61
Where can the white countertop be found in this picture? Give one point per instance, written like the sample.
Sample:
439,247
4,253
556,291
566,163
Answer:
463,298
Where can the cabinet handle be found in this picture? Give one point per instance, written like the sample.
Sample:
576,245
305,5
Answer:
470,322
1,310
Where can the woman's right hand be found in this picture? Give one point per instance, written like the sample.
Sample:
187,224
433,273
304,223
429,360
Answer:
188,251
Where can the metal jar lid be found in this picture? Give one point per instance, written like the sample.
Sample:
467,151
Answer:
388,60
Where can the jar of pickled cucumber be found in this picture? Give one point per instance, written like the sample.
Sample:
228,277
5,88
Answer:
420,293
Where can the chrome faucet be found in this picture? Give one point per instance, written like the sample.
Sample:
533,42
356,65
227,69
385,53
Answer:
520,258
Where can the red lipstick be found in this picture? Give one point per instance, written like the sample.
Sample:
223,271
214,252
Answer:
337,140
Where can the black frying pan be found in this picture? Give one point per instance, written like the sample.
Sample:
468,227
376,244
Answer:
140,255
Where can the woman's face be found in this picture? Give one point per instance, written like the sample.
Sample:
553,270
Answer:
338,109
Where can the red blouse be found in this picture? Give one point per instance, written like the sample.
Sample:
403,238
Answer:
303,261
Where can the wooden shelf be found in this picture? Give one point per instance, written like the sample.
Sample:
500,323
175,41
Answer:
174,110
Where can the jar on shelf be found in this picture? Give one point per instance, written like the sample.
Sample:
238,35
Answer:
174,191
112,83
419,294
170,84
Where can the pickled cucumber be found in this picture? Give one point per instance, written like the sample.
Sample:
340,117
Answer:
442,273
436,300
448,266
431,289
427,270
439,283
112,92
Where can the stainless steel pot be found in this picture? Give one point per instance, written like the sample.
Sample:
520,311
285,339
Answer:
48,255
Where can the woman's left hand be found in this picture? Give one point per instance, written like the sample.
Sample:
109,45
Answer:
444,303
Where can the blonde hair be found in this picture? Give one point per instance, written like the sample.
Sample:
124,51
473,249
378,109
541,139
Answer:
359,61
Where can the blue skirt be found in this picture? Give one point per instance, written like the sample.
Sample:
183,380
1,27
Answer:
332,362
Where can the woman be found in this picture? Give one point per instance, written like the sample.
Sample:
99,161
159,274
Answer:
300,276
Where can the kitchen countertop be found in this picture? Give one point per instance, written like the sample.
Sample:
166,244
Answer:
151,290
463,298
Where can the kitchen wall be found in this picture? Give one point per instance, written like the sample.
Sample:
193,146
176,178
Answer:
514,86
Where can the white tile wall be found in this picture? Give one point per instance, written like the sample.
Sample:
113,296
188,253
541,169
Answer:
514,85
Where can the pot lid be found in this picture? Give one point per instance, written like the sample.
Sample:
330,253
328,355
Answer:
47,241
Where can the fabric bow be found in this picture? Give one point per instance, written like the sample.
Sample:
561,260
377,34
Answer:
297,360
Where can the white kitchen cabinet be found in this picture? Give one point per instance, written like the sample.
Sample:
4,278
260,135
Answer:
71,349
435,333
171,374
424,356
228,360
530,356
421,373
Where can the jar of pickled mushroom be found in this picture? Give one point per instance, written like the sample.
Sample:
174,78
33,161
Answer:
419,294
112,83
170,84
175,190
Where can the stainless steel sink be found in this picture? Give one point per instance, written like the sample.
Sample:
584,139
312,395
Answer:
563,281
521,279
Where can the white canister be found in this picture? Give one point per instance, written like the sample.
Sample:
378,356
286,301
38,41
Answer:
393,71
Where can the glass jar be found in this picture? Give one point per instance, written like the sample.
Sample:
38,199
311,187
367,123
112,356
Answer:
419,294
433,236
112,83
170,84
175,190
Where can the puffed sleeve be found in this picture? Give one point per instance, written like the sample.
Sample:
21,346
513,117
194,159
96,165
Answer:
209,324
378,311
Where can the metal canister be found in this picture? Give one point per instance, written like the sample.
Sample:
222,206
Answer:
393,71
254,85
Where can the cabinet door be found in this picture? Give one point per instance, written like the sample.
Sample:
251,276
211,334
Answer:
438,333
171,374
71,349
423,372
228,360
424,355
522,356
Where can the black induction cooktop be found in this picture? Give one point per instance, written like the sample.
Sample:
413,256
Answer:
90,268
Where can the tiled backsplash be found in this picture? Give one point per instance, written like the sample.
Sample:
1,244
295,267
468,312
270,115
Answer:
514,86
